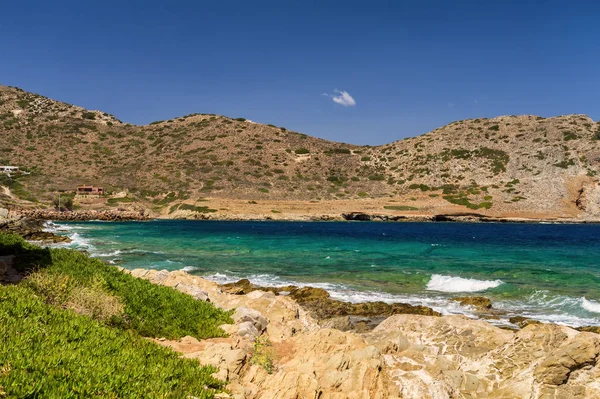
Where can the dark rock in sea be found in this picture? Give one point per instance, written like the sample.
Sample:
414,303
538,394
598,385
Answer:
357,216
309,294
593,329
321,306
325,308
523,322
45,236
478,302
240,287
244,286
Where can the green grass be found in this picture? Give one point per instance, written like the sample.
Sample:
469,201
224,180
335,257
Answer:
148,309
461,199
48,352
422,187
401,208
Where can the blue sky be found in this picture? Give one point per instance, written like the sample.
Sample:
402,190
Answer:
409,66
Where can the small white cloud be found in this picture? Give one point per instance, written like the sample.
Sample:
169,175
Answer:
341,97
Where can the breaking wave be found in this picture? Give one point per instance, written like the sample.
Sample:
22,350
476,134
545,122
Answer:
590,306
442,283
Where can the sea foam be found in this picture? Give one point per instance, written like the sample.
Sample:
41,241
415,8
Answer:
442,283
590,306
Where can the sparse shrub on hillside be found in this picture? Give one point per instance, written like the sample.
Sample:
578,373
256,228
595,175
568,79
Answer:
302,151
194,208
401,208
65,202
422,187
377,177
494,127
240,119
88,115
338,151
567,136
565,164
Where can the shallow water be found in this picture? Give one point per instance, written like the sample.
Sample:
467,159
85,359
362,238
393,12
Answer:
550,272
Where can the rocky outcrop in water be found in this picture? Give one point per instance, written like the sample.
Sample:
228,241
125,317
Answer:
30,229
322,307
480,303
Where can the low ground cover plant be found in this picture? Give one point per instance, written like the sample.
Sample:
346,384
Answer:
49,352
71,279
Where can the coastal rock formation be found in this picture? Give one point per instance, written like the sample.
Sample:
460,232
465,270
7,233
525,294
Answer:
105,215
323,308
30,229
478,302
405,356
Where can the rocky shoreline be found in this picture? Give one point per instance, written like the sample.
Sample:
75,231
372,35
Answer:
104,215
280,348
30,224
144,215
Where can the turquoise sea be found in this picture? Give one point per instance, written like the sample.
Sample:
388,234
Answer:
549,272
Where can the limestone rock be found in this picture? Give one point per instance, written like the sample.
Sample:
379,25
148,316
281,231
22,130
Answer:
255,318
405,356
556,368
341,323
193,291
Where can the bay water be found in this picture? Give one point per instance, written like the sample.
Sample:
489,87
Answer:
549,272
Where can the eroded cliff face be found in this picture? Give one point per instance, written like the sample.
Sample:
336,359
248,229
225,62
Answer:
588,198
277,350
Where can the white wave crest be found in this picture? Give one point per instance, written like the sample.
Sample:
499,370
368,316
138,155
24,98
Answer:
590,306
442,283
108,254
78,241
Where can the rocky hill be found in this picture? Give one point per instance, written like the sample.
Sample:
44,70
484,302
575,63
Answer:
509,165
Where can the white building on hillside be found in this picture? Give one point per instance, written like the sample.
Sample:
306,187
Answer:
9,169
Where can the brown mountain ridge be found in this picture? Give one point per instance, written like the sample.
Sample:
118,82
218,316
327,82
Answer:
511,166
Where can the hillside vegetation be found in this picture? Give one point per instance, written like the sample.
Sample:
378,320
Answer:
504,164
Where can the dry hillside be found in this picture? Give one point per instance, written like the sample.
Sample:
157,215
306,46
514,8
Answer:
512,165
